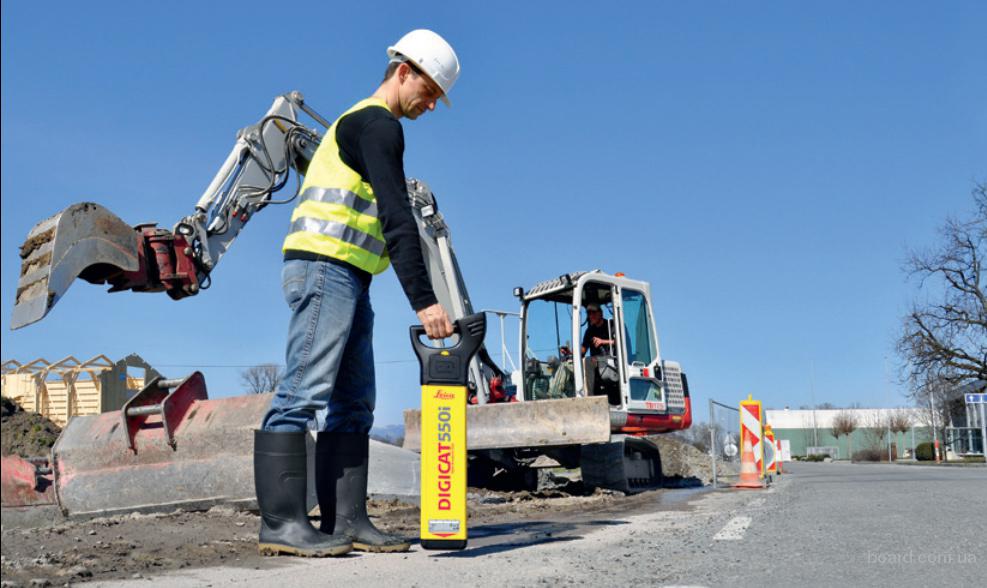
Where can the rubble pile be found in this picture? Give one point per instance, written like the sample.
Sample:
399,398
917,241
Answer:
25,433
683,462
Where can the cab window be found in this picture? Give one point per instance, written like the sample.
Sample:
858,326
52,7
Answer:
640,336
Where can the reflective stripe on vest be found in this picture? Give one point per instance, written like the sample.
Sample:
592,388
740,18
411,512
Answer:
336,215
344,197
339,231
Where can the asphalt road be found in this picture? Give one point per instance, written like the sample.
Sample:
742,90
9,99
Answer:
860,525
820,525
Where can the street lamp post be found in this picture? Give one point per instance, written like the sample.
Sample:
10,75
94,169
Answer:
812,394
935,433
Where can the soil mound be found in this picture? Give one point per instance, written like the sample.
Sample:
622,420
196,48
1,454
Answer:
24,433
680,460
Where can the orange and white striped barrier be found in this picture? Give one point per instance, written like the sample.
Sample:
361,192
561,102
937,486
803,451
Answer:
770,451
750,427
749,477
752,450
780,456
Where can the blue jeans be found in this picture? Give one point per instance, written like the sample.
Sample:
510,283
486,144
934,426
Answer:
329,381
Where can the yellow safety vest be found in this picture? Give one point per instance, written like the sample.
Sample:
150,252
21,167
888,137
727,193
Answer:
336,215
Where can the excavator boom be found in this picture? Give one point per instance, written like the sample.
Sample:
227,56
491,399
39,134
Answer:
88,241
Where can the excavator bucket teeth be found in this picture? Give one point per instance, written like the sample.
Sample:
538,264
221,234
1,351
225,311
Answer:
60,248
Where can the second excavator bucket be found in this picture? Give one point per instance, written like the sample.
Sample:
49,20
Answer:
169,447
172,447
82,237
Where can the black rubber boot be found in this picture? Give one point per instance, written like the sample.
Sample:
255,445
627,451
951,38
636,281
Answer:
280,477
341,482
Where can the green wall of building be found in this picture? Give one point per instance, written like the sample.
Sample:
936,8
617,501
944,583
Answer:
800,439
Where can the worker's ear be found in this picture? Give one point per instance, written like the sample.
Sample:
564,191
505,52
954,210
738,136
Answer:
404,70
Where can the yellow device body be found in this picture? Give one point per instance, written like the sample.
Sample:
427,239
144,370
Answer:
443,467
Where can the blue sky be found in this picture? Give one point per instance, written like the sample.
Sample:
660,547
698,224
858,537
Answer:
764,166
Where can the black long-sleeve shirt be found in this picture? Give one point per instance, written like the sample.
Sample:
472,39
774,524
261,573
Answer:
371,142
604,331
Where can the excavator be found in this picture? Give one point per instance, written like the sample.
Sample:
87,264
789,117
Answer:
171,446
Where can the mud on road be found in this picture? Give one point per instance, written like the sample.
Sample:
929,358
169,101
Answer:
142,545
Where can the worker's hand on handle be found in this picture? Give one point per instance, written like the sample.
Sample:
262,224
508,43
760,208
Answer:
436,322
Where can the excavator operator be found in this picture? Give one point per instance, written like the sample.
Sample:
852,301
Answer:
601,369
353,219
598,338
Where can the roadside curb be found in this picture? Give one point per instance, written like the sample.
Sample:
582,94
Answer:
902,463
942,465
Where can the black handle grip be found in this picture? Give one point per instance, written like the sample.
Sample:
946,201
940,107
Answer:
450,365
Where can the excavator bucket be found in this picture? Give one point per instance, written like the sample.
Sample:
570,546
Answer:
169,447
542,423
62,247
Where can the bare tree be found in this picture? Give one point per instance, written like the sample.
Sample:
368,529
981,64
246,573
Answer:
809,434
944,336
261,379
899,422
876,428
845,423
932,397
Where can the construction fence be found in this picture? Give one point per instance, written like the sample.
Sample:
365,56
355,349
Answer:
68,387
724,434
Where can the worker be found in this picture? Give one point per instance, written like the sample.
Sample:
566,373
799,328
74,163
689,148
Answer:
353,219
598,338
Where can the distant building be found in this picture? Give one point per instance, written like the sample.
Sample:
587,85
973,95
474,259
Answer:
68,387
814,428
968,418
962,412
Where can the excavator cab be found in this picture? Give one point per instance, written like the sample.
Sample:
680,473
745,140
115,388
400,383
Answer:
629,372
554,353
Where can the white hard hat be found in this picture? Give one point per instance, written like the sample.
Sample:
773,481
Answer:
432,55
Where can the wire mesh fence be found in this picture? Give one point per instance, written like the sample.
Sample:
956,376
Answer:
724,436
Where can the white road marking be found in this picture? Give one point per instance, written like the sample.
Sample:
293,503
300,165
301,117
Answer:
734,529
756,502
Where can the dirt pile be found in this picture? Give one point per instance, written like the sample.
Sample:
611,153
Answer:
683,462
24,433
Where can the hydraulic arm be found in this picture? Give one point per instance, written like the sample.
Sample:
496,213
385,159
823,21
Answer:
88,241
